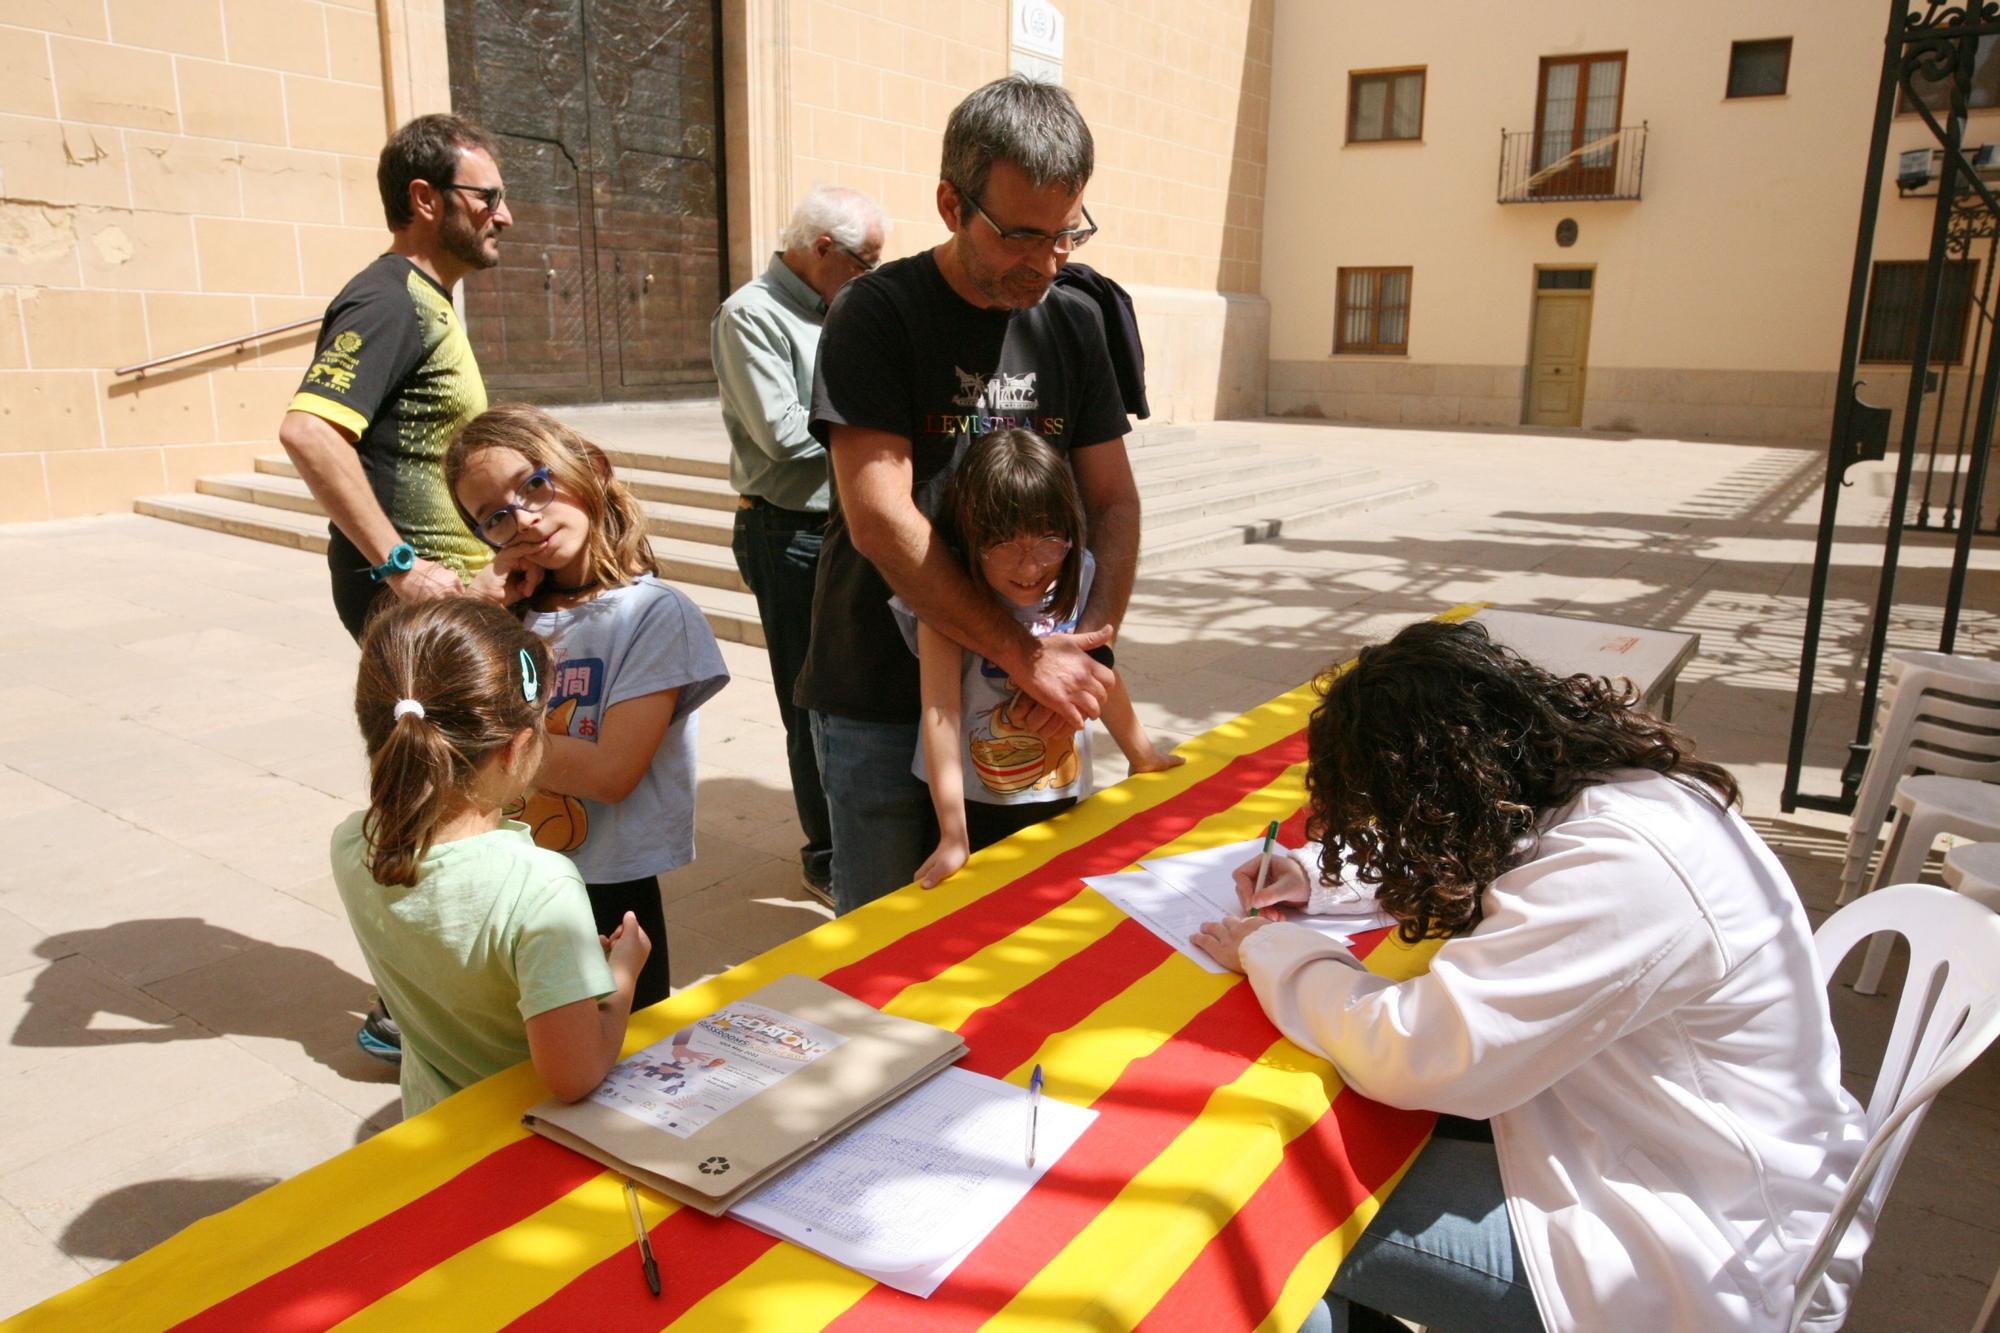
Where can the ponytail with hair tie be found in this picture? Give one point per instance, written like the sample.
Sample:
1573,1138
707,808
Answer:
472,673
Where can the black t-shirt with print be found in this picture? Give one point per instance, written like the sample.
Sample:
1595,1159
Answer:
903,353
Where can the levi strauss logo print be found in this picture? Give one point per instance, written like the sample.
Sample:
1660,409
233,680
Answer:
998,392
994,402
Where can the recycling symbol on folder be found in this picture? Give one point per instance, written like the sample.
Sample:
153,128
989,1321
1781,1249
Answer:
714,1166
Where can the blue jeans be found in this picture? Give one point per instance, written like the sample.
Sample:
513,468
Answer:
777,552
883,825
1441,1252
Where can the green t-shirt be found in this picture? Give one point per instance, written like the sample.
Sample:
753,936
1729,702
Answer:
495,931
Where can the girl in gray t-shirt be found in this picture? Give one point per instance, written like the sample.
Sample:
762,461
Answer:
634,659
1012,513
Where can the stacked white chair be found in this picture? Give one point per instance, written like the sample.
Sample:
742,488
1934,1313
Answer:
1941,715
1949,1013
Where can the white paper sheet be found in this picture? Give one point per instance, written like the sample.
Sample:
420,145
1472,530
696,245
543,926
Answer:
1174,896
907,1194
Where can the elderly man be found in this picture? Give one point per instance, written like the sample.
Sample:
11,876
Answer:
919,358
394,378
764,341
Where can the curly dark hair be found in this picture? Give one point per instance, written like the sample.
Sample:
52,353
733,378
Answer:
1431,763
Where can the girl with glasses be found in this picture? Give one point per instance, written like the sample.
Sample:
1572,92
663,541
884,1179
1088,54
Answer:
633,659
1012,514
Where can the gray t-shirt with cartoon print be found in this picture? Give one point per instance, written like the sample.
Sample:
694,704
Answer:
622,644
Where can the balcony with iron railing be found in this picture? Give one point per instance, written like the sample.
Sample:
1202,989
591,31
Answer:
1549,167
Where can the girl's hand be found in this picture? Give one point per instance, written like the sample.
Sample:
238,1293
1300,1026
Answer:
1223,940
1286,883
510,578
626,949
944,862
1152,761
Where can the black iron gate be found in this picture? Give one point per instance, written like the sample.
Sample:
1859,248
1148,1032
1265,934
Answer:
1930,53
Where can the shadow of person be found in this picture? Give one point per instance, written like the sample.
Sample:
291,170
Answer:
237,985
134,1218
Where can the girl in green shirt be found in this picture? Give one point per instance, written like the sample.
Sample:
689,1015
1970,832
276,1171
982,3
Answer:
481,943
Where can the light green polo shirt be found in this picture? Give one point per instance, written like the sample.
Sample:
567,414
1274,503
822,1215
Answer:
495,931
763,341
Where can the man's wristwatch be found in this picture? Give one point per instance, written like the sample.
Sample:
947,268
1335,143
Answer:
402,559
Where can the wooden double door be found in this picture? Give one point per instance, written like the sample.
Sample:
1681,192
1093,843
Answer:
608,116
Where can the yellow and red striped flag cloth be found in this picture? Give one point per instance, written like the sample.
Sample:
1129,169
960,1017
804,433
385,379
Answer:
1226,1174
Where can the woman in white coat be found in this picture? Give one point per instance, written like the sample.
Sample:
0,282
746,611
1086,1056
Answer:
1627,993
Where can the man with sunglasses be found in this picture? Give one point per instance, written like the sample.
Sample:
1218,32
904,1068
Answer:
391,381
917,360
393,377
764,342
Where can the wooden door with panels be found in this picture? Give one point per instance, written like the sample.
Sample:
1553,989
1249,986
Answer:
1559,347
607,116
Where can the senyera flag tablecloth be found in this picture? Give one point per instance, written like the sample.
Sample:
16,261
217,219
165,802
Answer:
1224,1178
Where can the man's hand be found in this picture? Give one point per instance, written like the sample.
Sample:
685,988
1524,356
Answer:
423,581
1285,883
1223,940
507,578
1069,685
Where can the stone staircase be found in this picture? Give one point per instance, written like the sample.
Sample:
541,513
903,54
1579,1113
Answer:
1202,492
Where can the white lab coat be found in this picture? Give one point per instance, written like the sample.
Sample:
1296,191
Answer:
1642,1016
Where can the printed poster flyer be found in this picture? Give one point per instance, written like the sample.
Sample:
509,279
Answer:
718,1062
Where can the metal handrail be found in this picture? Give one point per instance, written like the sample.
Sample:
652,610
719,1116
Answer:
140,368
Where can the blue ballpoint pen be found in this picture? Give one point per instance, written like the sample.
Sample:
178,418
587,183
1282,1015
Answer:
1034,1111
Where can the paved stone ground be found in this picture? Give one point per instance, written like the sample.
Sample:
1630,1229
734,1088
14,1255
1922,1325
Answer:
175,744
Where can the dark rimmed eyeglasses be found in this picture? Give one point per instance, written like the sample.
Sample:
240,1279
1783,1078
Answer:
1027,240
490,197
500,527
865,265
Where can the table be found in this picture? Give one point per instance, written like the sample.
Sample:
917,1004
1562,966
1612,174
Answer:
1650,658
1223,1180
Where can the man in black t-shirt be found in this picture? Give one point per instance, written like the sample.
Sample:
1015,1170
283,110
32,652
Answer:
393,377
916,360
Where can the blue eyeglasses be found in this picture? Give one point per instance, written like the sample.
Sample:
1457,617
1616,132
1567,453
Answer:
499,527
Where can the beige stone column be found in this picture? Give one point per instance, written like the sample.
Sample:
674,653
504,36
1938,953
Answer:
757,128
416,76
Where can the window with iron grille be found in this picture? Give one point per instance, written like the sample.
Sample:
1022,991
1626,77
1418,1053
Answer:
1373,313
1894,298
1385,104
1759,69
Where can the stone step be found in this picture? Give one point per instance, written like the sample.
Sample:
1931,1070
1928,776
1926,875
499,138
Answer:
263,488
731,611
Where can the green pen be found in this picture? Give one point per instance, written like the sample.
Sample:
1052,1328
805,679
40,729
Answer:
1264,865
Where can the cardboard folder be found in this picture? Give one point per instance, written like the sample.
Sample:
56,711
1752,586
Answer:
874,1058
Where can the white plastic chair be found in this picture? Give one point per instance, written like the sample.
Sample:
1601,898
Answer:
1973,868
1942,714
1949,1014
1926,807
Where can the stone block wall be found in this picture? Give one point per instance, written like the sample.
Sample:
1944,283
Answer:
1678,404
172,173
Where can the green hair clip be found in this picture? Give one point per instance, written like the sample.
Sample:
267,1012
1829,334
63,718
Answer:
531,680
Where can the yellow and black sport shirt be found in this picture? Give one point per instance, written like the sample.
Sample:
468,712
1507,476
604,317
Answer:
395,370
